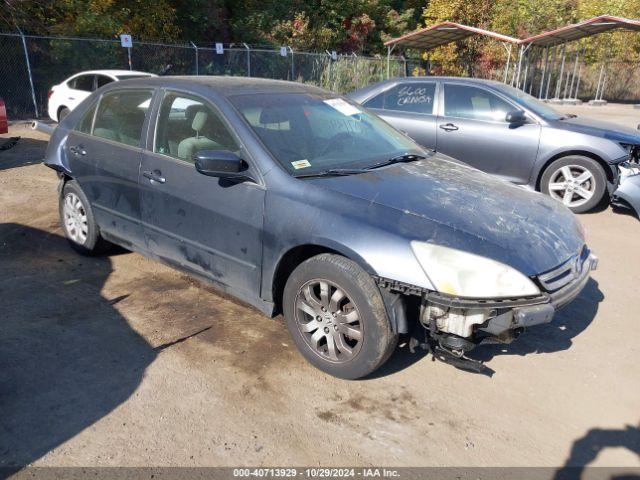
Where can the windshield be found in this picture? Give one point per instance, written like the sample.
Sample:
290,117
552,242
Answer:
531,103
309,133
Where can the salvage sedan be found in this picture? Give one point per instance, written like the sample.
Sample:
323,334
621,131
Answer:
298,201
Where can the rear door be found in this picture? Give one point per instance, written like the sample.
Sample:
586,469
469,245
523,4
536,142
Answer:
209,225
105,151
411,108
472,128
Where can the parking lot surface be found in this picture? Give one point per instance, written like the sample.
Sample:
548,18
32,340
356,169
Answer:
118,360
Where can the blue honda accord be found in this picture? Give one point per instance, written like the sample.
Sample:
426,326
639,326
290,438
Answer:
297,201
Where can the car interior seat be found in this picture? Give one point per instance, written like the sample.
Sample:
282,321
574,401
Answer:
189,146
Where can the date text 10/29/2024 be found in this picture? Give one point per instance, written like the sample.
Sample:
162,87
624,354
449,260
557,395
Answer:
316,472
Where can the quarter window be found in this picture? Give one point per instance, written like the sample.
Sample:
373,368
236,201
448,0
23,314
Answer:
121,115
414,97
463,101
86,122
187,125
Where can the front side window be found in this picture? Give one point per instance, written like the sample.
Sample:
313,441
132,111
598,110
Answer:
462,101
83,82
308,133
187,125
103,80
413,97
121,115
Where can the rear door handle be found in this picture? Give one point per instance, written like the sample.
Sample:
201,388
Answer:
154,177
78,150
449,127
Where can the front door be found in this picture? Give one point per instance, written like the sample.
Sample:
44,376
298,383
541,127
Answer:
409,107
473,129
206,224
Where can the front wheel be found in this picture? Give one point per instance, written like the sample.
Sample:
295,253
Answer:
578,182
336,317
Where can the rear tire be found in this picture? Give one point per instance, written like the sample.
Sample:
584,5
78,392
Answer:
580,183
63,114
336,317
78,222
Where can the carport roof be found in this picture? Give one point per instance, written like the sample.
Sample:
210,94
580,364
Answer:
443,33
593,26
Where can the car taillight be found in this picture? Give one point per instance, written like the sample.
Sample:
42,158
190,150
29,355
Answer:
50,93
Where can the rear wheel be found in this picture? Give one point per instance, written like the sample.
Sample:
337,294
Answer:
578,182
336,317
78,221
62,114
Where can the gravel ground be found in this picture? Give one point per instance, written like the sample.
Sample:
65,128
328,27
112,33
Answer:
121,361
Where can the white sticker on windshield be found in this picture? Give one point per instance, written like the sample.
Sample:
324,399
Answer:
343,107
298,164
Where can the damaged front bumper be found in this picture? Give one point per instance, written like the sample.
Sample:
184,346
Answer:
458,324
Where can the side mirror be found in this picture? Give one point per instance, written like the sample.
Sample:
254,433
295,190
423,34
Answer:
220,163
516,117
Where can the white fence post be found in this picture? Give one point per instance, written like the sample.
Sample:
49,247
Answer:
26,56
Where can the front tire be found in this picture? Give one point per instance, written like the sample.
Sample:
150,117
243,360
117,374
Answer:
580,183
336,317
78,222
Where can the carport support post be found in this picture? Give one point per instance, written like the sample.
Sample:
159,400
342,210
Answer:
195,48
293,70
599,81
248,59
389,50
575,71
26,57
559,81
553,64
506,67
544,72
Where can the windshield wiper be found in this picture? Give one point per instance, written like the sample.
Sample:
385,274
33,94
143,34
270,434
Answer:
405,157
332,172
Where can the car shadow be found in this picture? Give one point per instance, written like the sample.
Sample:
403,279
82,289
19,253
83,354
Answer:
552,337
26,151
67,356
587,448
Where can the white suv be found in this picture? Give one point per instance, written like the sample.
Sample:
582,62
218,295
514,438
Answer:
68,94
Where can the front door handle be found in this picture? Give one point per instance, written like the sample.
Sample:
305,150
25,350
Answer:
78,150
154,177
449,127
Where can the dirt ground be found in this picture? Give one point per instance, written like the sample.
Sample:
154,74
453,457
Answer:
120,361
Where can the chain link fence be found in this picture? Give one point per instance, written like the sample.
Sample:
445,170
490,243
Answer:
30,65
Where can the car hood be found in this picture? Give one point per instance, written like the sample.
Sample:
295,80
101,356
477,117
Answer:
447,203
610,131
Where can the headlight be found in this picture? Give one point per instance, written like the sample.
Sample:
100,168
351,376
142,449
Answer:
467,275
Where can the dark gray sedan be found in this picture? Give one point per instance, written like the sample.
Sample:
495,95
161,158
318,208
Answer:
506,132
296,200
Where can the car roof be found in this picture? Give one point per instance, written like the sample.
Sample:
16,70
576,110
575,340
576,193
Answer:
112,72
226,85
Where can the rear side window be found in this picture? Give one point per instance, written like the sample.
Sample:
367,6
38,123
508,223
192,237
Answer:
462,101
121,115
83,82
413,97
86,122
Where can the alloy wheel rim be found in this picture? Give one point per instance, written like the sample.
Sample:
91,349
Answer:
75,218
573,185
329,321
